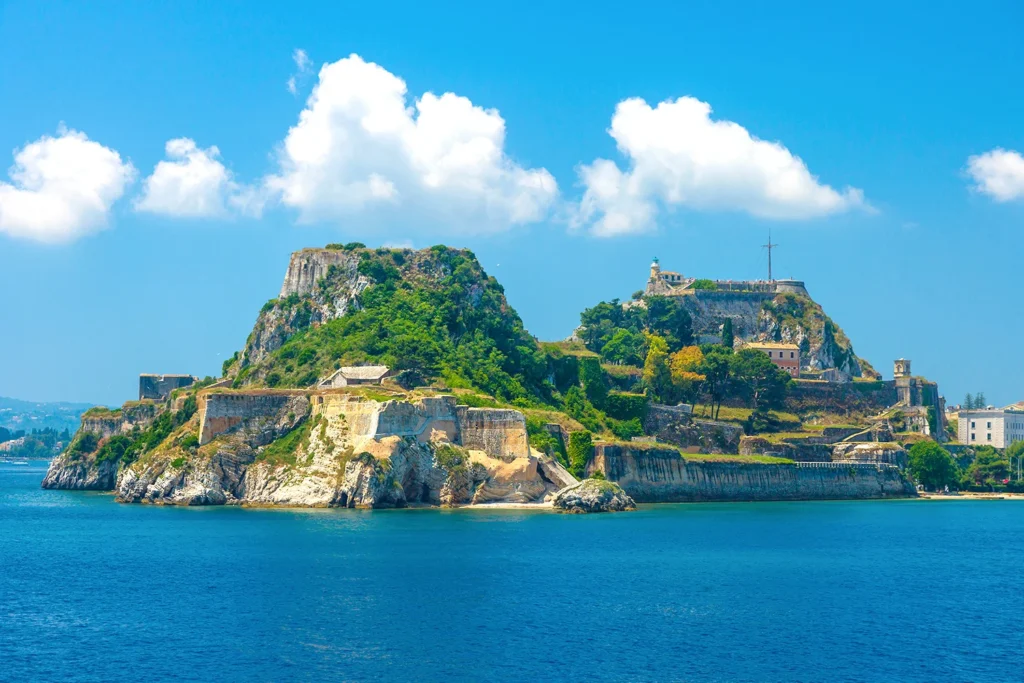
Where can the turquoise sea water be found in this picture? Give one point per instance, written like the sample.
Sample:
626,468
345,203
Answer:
832,591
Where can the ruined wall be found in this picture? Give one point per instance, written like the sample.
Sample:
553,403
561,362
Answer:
800,450
159,387
222,412
846,398
663,476
674,425
499,433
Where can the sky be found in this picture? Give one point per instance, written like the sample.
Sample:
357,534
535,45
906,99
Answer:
163,159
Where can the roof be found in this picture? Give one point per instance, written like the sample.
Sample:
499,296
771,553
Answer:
363,372
772,345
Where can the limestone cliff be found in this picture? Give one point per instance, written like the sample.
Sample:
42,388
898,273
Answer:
660,475
784,317
325,449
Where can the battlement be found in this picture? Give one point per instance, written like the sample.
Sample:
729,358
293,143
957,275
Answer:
670,283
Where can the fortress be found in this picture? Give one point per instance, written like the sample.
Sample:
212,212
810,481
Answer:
669,283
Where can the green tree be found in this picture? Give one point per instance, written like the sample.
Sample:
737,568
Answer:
657,374
990,467
979,400
592,377
760,383
625,347
728,340
969,401
932,465
716,368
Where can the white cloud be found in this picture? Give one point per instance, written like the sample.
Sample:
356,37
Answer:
193,183
359,146
998,173
304,66
679,157
62,187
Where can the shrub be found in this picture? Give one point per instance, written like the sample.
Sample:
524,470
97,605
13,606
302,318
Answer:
581,447
84,443
626,406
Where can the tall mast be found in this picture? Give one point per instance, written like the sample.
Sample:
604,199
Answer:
769,247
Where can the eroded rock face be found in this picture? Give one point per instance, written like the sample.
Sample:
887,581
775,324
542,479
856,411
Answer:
593,495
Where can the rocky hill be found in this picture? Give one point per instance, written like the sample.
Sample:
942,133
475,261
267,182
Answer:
429,314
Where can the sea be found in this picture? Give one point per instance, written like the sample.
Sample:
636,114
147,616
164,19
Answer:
93,590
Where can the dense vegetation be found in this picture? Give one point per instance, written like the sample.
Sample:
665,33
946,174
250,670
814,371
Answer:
429,314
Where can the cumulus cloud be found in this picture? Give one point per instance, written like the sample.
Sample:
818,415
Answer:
62,187
193,183
679,157
998,173
359,147
303,66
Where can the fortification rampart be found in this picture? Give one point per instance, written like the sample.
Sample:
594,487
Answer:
655,475
499,433
841,398
674,425
222,412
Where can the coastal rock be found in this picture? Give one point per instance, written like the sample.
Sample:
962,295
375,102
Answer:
593,495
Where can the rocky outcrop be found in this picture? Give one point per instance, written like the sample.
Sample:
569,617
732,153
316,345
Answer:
799,450
319,285
593,495
80,474
661,475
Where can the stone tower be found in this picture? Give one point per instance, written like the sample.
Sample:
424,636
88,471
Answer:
655,270
901,368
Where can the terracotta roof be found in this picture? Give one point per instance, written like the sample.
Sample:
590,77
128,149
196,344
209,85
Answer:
771,345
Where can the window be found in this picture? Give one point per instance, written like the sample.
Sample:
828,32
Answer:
988,436
988,425
972,424
972,436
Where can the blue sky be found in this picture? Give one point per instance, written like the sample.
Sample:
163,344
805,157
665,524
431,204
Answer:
860,124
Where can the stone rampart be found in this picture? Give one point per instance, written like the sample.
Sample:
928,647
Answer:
677,426
709,308
663,476
849,397
159,387
222,412
498,432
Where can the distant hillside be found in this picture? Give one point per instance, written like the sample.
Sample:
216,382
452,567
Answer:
17,415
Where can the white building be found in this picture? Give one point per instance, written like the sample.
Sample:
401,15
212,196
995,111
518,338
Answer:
998,427
352,376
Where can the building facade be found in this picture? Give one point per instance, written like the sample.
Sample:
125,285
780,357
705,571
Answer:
785,356
998,427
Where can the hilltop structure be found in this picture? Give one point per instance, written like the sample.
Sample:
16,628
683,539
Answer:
762,312
670,283
159,387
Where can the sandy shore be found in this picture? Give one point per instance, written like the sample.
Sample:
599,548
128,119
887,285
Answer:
508,506
973,495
